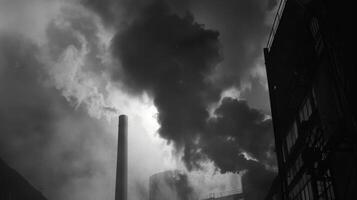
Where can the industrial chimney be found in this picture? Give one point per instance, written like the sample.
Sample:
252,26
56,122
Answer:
122,157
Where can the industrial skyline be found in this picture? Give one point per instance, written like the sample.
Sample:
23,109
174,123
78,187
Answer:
189,74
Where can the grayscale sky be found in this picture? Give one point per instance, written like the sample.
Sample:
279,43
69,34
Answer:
189,74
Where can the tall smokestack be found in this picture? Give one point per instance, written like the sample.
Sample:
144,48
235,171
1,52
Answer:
122,158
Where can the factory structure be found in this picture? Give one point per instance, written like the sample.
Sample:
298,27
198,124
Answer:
174,185
166,185
312,76
121,185
228,195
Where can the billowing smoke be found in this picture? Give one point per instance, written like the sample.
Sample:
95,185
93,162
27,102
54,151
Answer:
237,128
173,59
59,149
56,127
161,51
169,57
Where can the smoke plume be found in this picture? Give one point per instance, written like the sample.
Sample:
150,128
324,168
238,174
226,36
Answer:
173,59
59,149
184,55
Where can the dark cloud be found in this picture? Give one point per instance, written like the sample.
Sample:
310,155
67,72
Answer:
243,33
245,126
163,51
237,129
242,26
116,12
41,135
177,61
169,57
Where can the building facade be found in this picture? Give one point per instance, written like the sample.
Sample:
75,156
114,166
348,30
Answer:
312,76
229,195
14,187
171,184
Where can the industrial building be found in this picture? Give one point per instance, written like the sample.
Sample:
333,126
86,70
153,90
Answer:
162,185
312,76
170,184
15,187
229,195
174,185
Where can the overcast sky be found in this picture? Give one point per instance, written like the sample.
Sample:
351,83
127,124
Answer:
189,74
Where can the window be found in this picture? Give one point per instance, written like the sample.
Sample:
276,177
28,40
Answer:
314,98
294,169
325,188
305,111
314,27
283,150
315,31
302,190
291,136
308,110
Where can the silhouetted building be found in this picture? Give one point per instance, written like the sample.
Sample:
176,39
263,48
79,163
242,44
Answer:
121,186
15,187
229,195
172,185
311,68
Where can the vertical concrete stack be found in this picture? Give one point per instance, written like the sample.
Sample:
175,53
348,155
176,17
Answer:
122,160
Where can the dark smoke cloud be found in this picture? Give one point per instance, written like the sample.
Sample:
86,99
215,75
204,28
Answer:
170,57
245,127
42,136
173,59
243,33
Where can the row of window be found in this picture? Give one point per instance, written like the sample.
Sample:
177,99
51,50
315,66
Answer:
305,111
294,169
324,187
304,114
291,136
315,31
302,190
